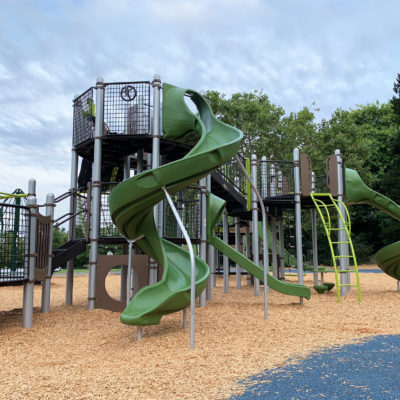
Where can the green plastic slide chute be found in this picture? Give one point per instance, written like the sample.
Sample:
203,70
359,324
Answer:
215,206
132,201
357,192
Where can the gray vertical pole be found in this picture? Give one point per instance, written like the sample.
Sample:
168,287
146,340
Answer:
71,226
248,253
342,236
254,208
203,231
27,308
46,283
237,245
124,268
96,193
297,200
210,252
273,245
314,233
225,237
264,177
281,250
155,158
128,281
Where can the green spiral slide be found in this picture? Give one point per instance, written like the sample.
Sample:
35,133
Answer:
131,203
357,192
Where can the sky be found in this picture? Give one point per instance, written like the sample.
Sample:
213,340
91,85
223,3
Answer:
316,53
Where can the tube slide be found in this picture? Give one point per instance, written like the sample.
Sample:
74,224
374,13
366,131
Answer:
215,206
357,192
132,201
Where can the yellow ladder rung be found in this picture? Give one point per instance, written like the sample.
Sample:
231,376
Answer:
340,242
344,256
341,271
349,284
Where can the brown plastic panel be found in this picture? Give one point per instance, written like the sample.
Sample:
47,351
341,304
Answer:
331,174
42,247
140,264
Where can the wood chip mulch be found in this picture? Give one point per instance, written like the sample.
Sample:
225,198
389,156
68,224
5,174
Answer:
72,353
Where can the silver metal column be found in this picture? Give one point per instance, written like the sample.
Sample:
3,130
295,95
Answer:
342,236
128,281
124,268
225,237
203,231
248,253
273,246
314,233
254,213
71,226
237,245
27,307
96,193
299,240
47,282
210,253
155,160
281,250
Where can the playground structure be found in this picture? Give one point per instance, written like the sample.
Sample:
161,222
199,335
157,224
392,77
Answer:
186,175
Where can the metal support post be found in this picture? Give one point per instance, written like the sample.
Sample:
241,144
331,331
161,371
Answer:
96,193
128,283
273,246
71,226
203,231
314,234
124,268
225,237
254,219
281,250
210,252
237,245
273,181
27,308
297,200
248,253
342,236
47,281
155,160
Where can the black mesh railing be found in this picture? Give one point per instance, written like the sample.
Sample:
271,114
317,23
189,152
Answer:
233,175
275,178
107,227
127,108
14,243
83,117
321,185
187,202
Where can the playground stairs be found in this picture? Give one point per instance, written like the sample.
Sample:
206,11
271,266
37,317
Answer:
235,202
68,251
333,211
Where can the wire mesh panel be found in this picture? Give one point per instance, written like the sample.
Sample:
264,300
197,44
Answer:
82,222
276,178
83,121
14,243
187,202
127,108
107,227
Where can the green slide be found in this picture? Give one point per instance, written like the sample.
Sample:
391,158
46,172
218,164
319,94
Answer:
357,192
131,203
215,206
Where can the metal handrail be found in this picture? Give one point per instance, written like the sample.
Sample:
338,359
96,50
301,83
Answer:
192,267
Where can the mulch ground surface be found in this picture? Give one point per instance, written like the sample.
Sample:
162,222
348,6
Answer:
72,353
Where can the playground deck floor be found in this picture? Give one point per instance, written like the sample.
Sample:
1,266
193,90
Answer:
71,353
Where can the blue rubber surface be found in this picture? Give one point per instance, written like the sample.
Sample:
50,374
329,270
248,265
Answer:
367,370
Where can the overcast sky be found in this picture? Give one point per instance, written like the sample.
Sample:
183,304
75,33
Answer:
334,53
